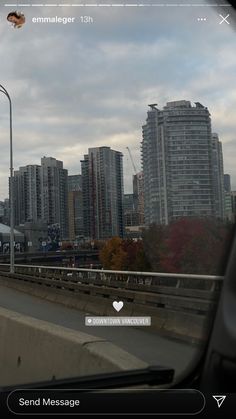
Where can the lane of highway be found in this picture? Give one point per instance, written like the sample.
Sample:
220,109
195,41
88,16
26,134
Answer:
150,347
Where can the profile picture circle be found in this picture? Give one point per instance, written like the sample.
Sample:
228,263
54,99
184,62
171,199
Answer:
17,19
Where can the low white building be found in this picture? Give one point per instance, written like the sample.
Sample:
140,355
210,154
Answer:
5,239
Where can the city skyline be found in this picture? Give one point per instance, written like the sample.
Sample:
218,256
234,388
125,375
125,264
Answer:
127,188
88,89
183,176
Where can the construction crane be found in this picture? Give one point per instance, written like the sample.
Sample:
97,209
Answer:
132,161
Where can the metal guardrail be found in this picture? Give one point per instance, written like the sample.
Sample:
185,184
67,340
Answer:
139,281
132,273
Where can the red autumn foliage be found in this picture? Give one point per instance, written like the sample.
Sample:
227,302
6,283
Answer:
188,245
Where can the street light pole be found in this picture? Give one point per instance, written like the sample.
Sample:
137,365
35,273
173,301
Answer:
5,92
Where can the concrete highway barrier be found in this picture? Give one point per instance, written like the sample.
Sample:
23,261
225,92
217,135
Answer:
33,350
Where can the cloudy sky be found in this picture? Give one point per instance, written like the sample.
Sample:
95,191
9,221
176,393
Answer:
78,85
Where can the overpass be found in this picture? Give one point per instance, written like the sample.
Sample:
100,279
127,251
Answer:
53,300
82,258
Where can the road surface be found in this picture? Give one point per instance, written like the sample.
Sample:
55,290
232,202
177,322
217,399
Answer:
148,346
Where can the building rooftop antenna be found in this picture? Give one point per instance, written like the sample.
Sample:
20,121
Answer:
153,106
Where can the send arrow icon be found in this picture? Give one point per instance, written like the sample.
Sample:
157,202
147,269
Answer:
219,400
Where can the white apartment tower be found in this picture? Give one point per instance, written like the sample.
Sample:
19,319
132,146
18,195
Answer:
182,164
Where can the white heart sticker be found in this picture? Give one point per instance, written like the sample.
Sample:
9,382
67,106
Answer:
117,305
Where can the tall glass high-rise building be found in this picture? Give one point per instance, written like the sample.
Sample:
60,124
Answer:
27,194
41,194
218,177
138,196
178,161
75,206
55,194
102,186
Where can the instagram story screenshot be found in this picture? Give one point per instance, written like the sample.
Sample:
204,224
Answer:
117,208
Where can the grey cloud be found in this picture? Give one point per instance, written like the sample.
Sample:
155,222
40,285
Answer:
77,86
